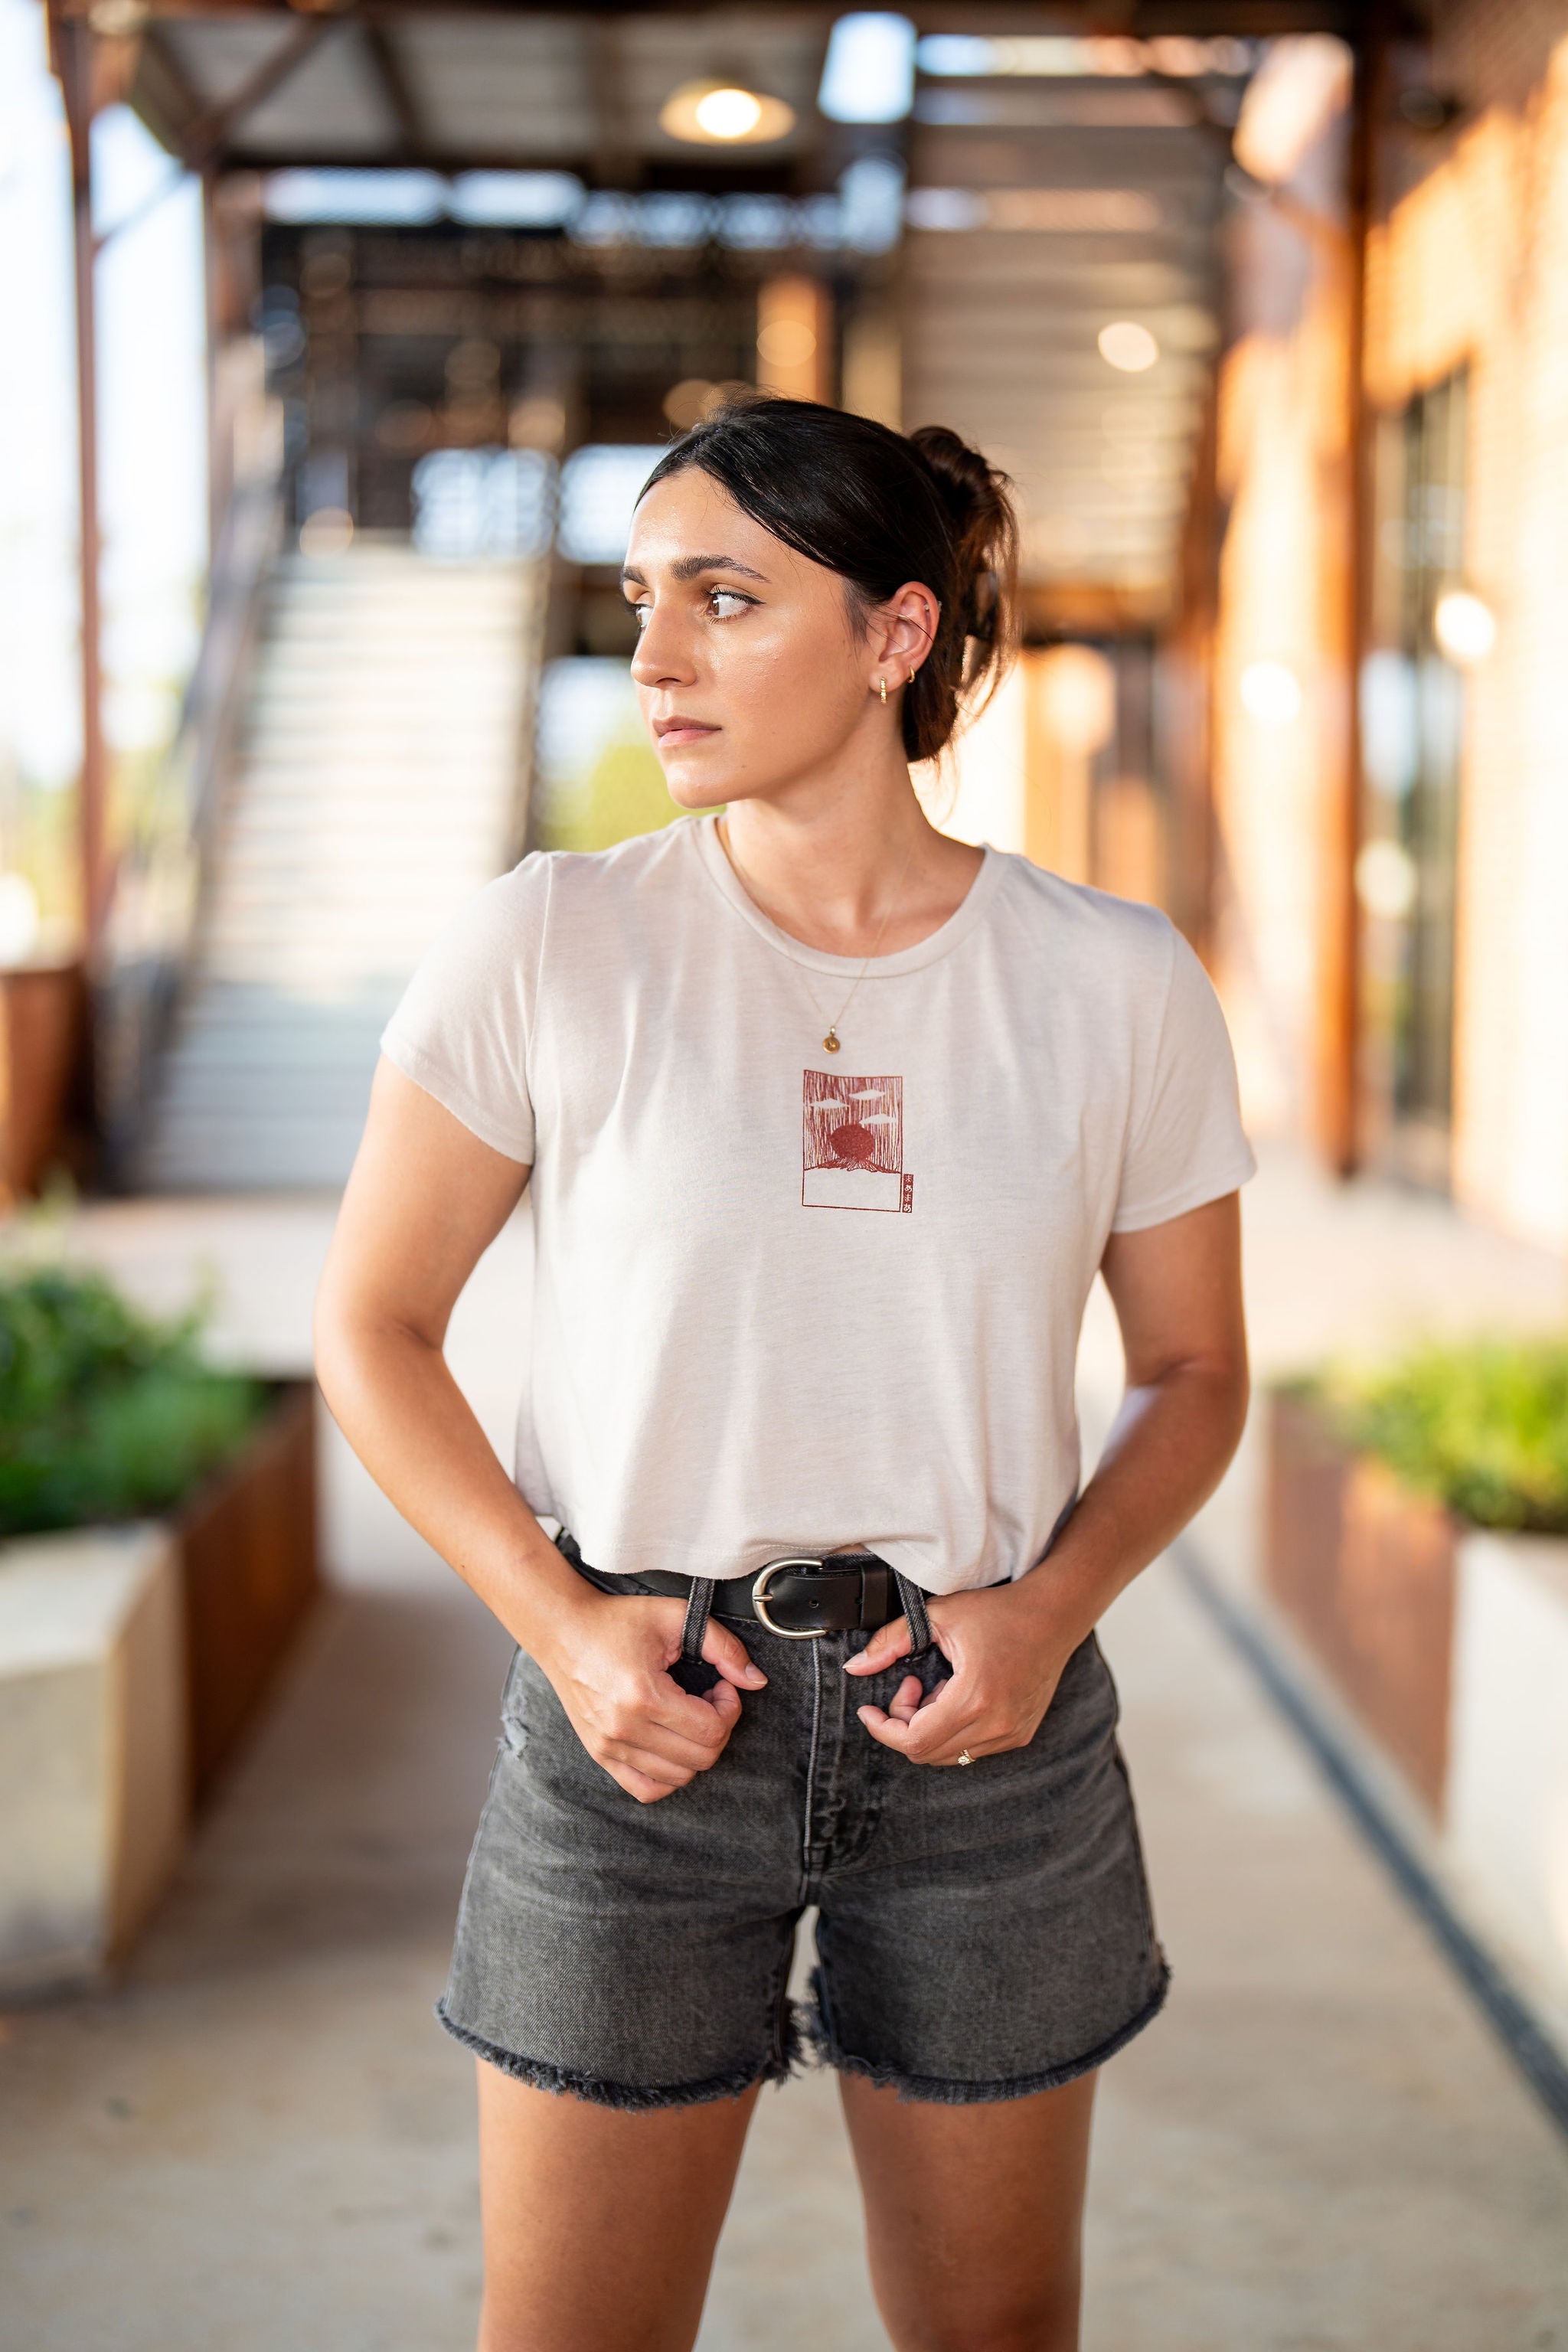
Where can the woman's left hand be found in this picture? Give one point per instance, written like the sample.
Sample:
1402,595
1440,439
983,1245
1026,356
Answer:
1006,1646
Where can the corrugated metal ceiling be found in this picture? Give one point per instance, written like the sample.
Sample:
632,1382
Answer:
1069,204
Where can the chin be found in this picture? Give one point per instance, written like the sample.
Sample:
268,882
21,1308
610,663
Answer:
698,792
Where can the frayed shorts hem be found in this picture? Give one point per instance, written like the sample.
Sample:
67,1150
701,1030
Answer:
631,2098
937,2091
809,2043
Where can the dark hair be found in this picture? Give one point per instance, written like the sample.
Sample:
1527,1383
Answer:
878,508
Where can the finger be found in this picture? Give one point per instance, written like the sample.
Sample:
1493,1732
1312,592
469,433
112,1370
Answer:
887,1645
651,1737
885,1729
725,1650
689,1717
659,1722
724,1700
640,1785
891,1733
906,1700
659,1760
692,1744
625,1763
943,1722
941,1725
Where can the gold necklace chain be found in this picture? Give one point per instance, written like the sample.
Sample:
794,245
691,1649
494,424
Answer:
832,1043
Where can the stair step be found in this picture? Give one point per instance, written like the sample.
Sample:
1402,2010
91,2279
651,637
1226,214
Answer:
344,867
373,791
268,1093
390,920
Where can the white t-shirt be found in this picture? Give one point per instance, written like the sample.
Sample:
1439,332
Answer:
785,1300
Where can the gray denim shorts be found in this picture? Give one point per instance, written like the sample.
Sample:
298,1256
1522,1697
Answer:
982,1933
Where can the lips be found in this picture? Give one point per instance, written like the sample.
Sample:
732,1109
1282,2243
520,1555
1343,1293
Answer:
678,729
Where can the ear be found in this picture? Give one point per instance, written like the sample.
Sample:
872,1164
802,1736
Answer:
904,628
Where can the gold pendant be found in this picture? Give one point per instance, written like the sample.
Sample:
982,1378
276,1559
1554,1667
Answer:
830,1043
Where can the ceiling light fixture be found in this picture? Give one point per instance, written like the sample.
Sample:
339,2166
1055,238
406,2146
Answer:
1128,346
729,113
722,115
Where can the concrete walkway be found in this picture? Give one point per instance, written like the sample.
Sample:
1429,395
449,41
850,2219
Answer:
260,2140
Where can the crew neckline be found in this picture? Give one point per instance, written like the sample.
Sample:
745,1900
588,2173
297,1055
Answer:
940,942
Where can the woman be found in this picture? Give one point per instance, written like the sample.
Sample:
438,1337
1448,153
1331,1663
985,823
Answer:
831,1121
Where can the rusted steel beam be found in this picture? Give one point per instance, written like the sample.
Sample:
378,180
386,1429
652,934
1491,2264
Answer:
414,143
71,56
211,132
165,98
1144,18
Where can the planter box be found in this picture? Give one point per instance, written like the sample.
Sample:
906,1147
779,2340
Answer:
1507,1833
1365,1571
248,1567
1450,1644
132,1662
94,1783
43,1013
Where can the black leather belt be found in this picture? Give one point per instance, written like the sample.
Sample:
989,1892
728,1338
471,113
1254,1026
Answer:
798,1596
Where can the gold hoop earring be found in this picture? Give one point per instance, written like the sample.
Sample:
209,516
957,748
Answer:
910,680
882,690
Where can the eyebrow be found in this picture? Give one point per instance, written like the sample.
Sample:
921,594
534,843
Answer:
689,567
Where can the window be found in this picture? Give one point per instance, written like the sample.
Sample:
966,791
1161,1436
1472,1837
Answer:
1412,705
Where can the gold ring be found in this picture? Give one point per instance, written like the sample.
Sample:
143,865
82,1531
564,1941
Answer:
964,1757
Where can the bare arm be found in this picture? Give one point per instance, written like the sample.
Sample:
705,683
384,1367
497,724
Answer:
425,1200
1176,1289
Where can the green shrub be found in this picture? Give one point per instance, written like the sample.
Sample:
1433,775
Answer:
1482,1427
105,1413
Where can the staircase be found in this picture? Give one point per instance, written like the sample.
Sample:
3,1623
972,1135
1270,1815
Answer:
375,789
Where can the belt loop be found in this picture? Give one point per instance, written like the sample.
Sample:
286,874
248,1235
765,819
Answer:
913,1602
695,1625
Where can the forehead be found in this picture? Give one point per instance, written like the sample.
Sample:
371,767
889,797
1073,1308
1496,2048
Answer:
689,514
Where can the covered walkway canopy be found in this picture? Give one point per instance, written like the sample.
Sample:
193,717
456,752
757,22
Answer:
493,228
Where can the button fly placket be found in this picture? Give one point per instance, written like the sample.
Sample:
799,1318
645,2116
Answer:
808,1813
840,1806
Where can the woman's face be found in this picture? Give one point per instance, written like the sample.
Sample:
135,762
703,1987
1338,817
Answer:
750,668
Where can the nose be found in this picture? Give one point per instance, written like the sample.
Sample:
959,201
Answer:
663,655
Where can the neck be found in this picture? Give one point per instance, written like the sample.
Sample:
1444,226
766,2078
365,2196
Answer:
851,866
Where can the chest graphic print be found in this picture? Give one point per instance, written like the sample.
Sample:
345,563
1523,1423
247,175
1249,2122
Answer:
852,1143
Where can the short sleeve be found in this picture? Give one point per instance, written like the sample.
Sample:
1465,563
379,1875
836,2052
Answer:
463,1028
1187,1145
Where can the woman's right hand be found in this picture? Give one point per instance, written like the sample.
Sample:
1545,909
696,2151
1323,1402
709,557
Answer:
608,1661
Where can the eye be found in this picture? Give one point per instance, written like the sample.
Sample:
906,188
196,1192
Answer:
725,604
640,614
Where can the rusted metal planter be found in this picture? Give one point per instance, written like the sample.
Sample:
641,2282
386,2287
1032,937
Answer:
250,1573
1365,1571
43,1016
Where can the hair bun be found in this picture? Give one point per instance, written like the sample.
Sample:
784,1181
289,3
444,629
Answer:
963,477
985,528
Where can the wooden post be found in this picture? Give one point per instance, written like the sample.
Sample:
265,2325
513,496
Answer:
71,43
220,425
1340,1120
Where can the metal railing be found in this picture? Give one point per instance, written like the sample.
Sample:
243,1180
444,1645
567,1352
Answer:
164,863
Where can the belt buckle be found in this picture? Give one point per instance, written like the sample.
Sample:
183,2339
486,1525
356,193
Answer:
760,1598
